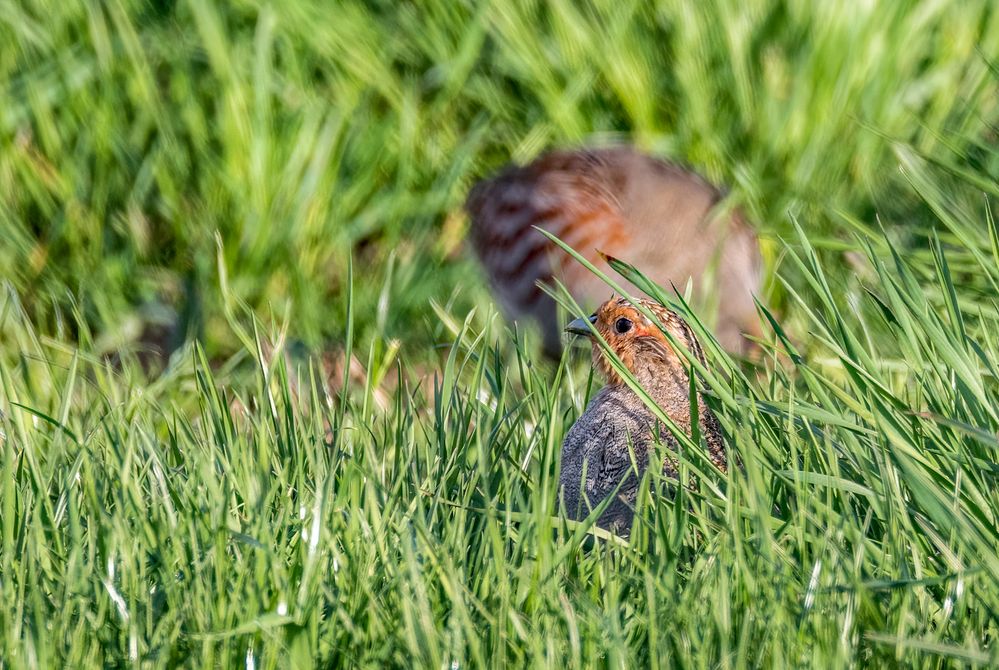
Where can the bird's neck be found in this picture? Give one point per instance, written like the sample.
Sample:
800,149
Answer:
669,386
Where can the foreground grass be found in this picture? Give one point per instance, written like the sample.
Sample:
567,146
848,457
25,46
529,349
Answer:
241,516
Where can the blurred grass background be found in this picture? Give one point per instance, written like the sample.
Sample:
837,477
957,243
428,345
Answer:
204,169
143,140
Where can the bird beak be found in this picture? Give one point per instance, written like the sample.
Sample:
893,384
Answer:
579,326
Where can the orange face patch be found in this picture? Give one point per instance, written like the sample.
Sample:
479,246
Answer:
633,337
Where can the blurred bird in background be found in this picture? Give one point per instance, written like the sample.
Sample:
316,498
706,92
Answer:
654,215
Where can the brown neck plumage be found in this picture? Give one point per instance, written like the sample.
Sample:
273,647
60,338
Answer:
666,378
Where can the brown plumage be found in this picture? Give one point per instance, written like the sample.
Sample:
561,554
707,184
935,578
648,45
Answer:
654,215
616,421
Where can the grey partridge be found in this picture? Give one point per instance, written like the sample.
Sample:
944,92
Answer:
597,451
654,215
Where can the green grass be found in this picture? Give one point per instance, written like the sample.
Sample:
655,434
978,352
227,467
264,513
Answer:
286,178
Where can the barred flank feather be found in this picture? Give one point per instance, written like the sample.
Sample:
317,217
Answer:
654,215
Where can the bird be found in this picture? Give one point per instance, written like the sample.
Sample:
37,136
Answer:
596,455
655,215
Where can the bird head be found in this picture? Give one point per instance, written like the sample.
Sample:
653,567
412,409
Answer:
637,341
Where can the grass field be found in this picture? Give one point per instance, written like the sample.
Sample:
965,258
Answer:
275,188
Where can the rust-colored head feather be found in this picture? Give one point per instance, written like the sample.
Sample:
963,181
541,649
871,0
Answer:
639,342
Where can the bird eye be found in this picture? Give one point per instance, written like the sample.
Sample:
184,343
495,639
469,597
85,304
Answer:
622,326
